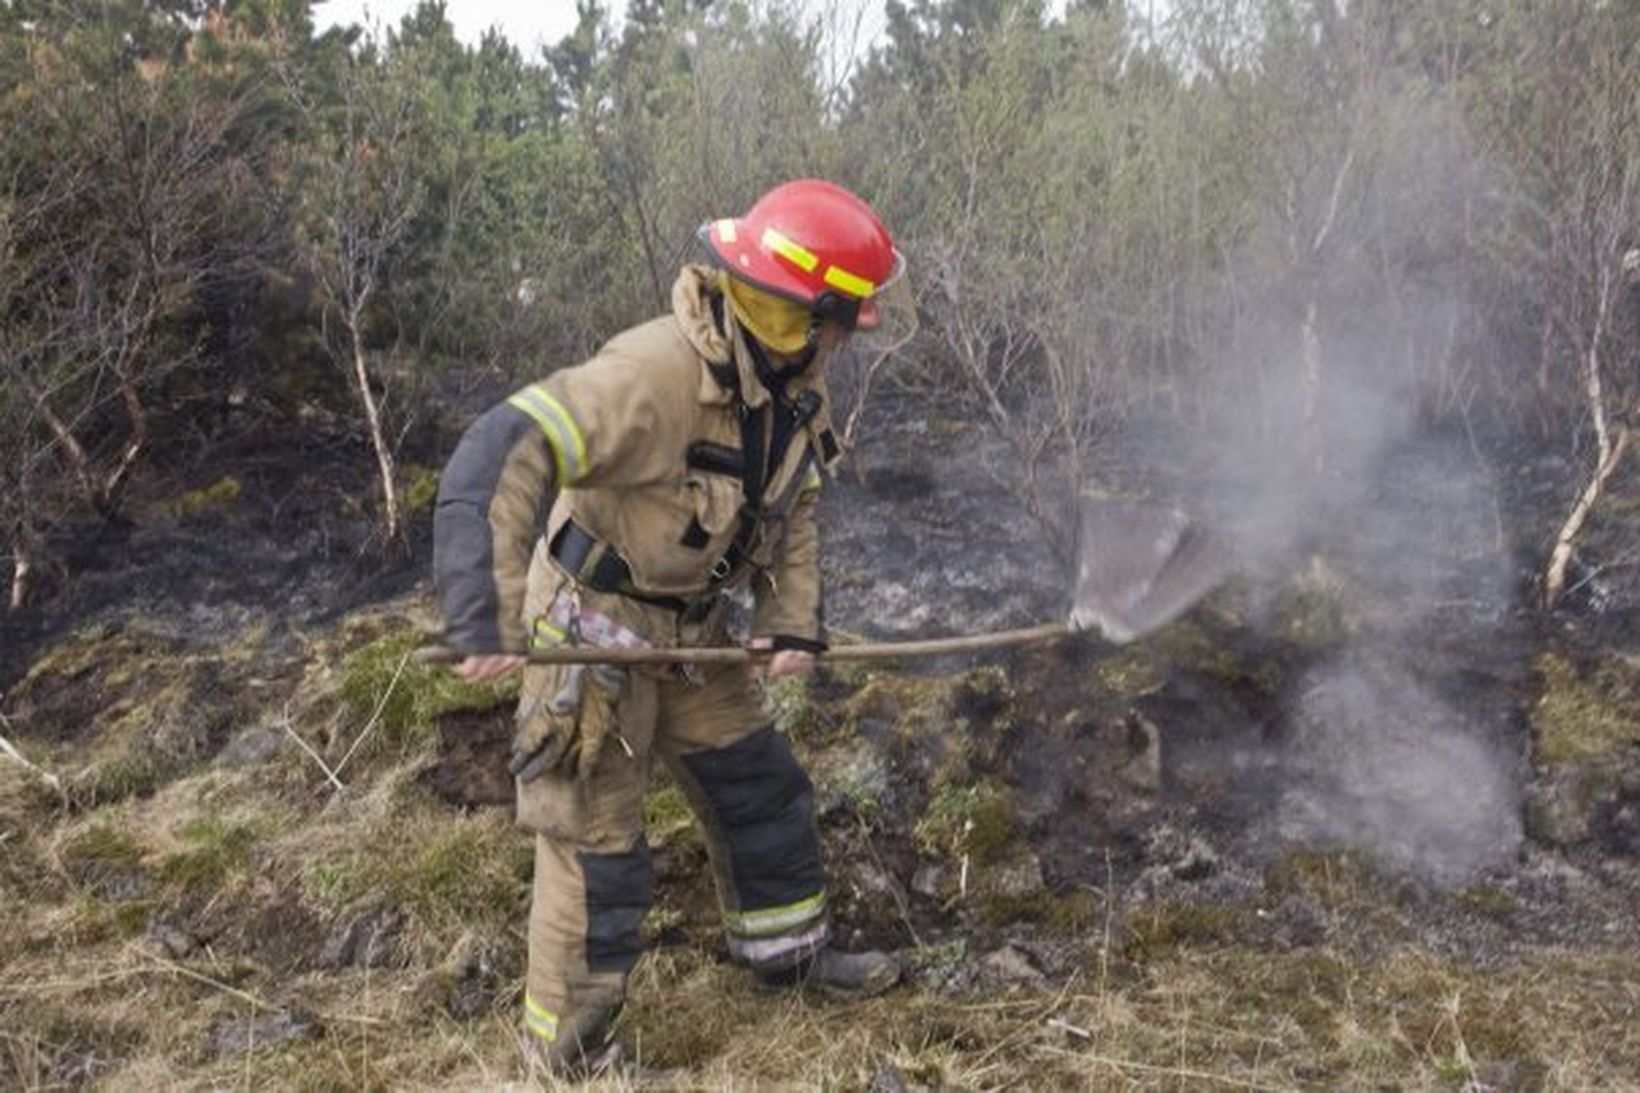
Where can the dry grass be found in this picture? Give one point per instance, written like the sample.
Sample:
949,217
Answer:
1198,1016
258,864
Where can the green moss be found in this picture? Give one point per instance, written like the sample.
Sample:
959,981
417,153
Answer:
1068,914
1188,646
134,774
917,706
939,961
660,918
1336,879
794,710
101,845
1128,674
1454,1069
418,488
862,781
145,738
97,919
975,820
409,695
667,818
1313,611
1578,718
224,491
218,849
72,656
1163,927
327,886
1487,900
451,872
1441,1007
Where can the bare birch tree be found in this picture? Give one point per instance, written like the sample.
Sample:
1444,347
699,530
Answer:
361,197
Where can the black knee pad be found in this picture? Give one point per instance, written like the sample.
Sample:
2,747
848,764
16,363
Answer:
762,806
620,888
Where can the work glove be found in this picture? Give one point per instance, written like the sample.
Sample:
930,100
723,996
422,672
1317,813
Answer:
567,734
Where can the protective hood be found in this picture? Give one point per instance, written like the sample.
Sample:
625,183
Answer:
780,324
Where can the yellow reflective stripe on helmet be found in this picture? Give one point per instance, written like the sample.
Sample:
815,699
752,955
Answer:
793,252
540,1020
569,447
726,230
812,481
840,278
774,920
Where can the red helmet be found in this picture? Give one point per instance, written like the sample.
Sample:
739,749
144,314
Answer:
813,242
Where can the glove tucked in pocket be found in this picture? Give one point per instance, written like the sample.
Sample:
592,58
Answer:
565,731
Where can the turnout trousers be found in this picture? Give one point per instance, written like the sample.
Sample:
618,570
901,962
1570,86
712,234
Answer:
592,868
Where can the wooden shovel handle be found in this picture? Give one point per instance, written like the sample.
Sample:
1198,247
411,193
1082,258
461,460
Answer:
889,650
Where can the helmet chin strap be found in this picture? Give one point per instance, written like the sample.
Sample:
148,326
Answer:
773,376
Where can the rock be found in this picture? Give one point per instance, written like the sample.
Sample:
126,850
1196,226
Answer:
366,941
254,745
1507,1076
1012,965
1294,923
871,880
1198,862
1020,876
171,941
1143,770
856,783
929,880
240,1035
887,1080
480,974
1559,807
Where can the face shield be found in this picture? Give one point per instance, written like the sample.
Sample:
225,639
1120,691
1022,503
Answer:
888,320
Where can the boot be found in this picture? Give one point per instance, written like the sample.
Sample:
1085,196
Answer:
848,976
595,1058
584,1048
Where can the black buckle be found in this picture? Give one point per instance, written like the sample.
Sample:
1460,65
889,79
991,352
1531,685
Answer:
837,308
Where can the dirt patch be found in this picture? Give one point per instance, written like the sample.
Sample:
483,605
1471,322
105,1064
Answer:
471,770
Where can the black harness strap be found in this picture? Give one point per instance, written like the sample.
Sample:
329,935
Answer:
573,547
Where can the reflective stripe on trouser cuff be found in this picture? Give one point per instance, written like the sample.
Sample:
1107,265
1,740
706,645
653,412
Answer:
540,1020
779,950
775,920
569,447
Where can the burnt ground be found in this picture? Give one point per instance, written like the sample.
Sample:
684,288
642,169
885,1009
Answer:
1335,754
1365,685
291,547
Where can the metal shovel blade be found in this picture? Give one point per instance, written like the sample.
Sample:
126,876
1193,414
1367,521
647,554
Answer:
1140,566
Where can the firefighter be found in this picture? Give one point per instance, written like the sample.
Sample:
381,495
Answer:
616,504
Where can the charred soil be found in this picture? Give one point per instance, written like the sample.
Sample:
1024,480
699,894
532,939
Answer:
1365,818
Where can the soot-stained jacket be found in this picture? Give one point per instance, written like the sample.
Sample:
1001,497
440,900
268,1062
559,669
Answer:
641,450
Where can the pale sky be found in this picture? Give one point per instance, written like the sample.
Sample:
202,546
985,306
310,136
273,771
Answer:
525,23
852,26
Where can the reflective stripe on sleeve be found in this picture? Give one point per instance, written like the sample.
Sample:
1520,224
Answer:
545,635
569,447
812,481
540,1020
774,920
